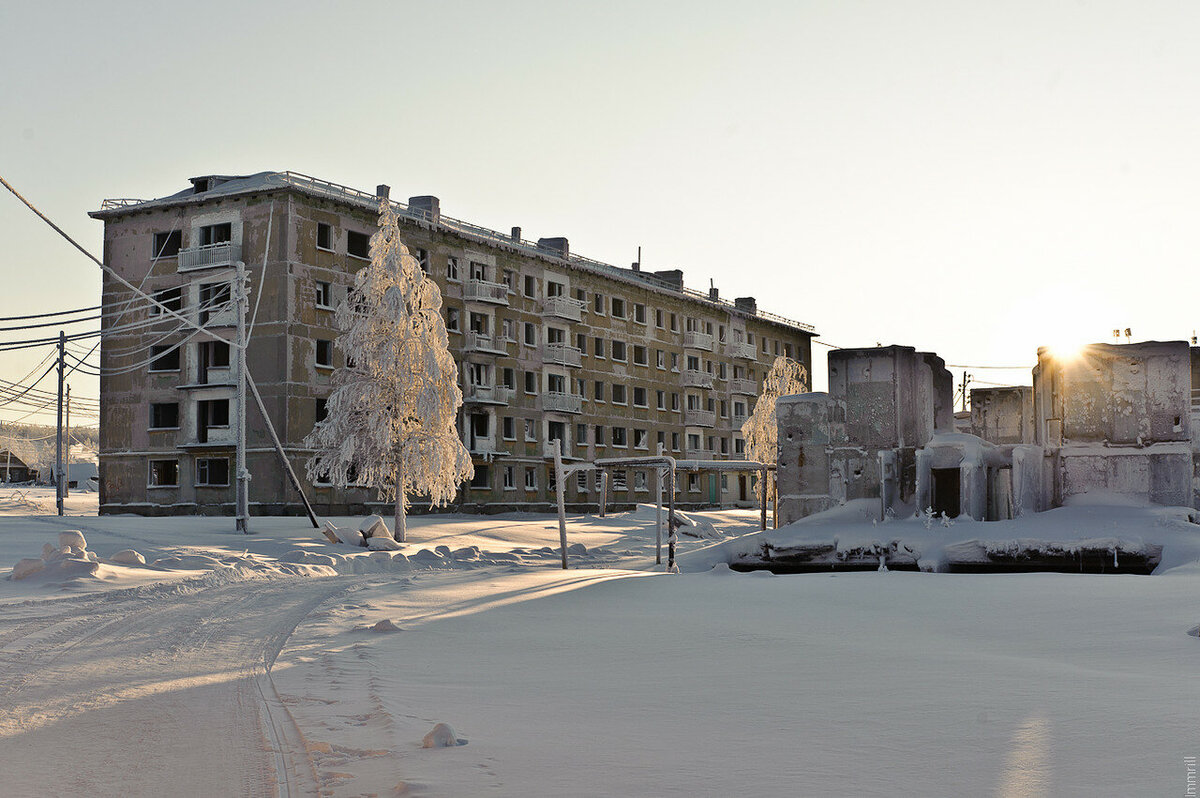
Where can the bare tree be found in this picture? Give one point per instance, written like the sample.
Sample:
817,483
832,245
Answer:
390,422
761,430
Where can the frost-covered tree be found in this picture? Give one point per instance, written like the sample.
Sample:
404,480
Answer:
390,421
761,431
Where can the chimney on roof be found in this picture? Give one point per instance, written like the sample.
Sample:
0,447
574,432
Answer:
427,207
746,303
382,191
637,264
672,277
557,246
713,295
516,235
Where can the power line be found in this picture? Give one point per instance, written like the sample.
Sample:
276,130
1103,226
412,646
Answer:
48,315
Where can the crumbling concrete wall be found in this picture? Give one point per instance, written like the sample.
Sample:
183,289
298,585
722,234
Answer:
1003,415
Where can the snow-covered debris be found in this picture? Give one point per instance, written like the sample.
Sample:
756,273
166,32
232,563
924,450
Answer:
72,537
386,625
128,557
696,527
374,527
442,736
27,567
381,543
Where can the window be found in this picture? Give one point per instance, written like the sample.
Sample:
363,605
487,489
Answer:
422,256
658,318
581,388
581,343
452,320
212,471
618,394
452,269
674,323
531,382
216,234
213,412
599,435
530,286
509,328
581,482
724,482
167,245
618,308
482,480
320,409
324,354
693,482
530,478
358,245
640,356
662,439
724,409
641,439
639,313
598,347
764,345
581,297
599,391
324,294
674,361
556,335
508,377
662,399
639,397
530,430
172,298
660,358
530,334
618,480
693,363
212,296
693,442
508,428
739,446
555,288
164,415
674,441
598,303
508,478
619,437
618,350
211,355
721,370
164,358
675,402
164,473
639,480
724,446
557,431
510,280
775,347
581,434
324,236
556,383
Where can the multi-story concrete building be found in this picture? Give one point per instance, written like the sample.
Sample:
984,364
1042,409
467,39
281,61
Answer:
550,346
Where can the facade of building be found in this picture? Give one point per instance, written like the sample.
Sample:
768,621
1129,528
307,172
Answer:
551,346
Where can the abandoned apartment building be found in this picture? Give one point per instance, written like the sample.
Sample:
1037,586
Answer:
1111,418
551,346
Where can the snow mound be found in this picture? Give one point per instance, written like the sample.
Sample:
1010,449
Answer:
374,527
381,543
71,537
442,736
28,567
696,527
385,625
128,557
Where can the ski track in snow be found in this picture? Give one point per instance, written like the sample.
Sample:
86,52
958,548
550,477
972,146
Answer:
184,670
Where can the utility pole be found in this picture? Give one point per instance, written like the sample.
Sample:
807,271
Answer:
66,491
58,466
242,474
965,382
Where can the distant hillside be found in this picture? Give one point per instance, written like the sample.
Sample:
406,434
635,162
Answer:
34,443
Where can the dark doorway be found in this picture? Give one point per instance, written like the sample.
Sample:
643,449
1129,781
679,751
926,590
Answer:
741,488
945,500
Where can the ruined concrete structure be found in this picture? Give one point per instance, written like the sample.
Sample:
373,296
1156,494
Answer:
860,439
1114,418
550,346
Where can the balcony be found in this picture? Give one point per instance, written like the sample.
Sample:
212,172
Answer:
488,394
209,256
563,307
699,418
744,387
562,355
484,291
697,454
698,340
742,350
737,421
555,402
484,447
482,342
696,379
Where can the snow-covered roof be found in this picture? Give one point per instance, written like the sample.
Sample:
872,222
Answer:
207,187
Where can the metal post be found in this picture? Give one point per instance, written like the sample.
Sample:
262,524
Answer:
671,519
58,456
262,408
763,494
558,491
242,509
658,486
603,491
67,443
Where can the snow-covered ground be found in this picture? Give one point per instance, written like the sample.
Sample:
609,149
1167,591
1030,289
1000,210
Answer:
233,668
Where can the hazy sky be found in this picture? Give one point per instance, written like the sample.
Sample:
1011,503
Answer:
975,179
